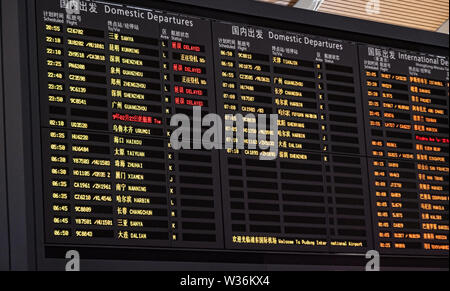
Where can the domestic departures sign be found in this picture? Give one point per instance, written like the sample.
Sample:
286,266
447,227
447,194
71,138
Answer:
362,136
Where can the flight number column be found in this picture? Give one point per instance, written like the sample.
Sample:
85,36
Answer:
80,108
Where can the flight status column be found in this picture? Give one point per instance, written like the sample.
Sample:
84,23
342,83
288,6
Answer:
406,103
188,81
310,196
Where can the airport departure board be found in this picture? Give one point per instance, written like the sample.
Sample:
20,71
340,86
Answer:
362,140
407,130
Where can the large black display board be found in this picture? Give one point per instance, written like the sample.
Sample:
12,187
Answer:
363,136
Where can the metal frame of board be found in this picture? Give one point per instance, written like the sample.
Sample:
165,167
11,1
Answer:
23,146
4,231
19,183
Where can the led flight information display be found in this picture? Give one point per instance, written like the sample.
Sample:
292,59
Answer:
362,138
407,130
